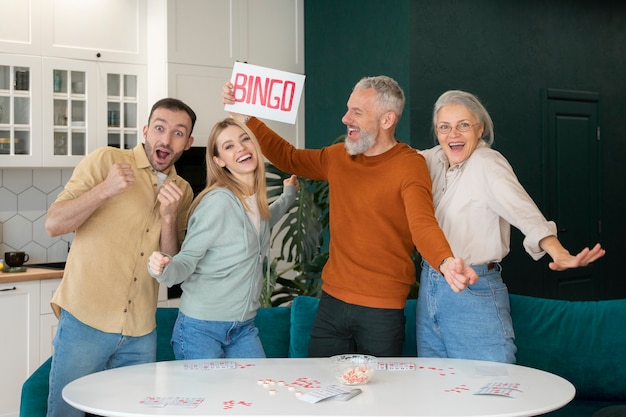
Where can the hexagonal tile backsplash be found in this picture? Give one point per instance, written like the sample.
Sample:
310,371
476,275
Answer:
25,195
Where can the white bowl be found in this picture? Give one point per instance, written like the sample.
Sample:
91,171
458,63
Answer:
353,369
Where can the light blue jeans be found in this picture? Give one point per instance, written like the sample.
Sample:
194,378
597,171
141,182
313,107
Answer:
81,350
473,324
205,339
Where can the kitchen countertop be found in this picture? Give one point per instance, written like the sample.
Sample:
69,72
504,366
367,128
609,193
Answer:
31,274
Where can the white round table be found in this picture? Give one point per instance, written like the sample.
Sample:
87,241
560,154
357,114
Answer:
269,387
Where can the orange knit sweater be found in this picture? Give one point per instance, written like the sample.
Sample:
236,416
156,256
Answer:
381,207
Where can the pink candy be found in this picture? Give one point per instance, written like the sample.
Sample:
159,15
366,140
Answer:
356,376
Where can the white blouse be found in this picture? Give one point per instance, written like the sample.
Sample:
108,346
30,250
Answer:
477,201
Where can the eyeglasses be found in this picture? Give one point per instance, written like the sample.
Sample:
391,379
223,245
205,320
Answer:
445,128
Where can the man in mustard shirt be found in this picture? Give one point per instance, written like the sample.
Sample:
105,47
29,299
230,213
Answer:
122,204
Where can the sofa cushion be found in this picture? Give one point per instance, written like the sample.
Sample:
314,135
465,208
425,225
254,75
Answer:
303,311
582,341
34,398
273,325
165,319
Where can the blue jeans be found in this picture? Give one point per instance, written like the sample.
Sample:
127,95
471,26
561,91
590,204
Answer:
473,324
340,327
205,339
81,350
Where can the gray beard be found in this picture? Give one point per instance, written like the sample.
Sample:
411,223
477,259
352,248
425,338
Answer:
362,145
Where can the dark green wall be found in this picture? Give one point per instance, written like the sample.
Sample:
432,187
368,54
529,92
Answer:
505,52
345,41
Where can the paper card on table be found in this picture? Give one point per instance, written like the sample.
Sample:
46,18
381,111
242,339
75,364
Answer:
186,402
333,392
157,402
160,402
503,389
266,93
400,366
205,366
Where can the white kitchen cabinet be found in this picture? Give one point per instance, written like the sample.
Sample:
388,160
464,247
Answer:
20,31
19,327
54,111
205,39
96,104
70,111
219,32
203,32
122,104
48,321
275,34
27,326
75,54
110,31
20,110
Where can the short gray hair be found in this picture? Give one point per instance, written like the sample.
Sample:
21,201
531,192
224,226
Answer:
389,94
471,103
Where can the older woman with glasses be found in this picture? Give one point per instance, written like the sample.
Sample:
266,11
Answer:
477,198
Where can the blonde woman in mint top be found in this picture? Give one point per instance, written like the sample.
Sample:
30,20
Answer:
477,198
220,263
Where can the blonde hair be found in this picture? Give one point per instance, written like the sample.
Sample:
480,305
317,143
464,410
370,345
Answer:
221,177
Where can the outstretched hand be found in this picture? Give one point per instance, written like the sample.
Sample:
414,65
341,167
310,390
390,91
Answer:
458,274
564,260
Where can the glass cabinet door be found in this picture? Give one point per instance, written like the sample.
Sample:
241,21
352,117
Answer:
70,87
18,81
123,103
122,117
15,102
69,112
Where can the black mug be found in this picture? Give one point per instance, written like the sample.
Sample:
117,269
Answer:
15,259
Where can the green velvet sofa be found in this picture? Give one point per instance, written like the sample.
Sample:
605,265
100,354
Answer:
583,341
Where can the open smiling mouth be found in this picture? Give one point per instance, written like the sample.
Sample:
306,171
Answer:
244,158
353,132
162,155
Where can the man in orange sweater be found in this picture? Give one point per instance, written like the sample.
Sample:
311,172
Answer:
381,208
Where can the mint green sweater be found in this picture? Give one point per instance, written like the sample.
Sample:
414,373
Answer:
220,263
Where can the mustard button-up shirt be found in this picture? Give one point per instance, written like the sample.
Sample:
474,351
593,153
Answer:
106,283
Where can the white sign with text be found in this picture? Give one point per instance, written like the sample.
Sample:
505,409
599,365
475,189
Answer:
266,93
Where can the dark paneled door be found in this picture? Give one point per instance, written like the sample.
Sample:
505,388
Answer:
572,187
